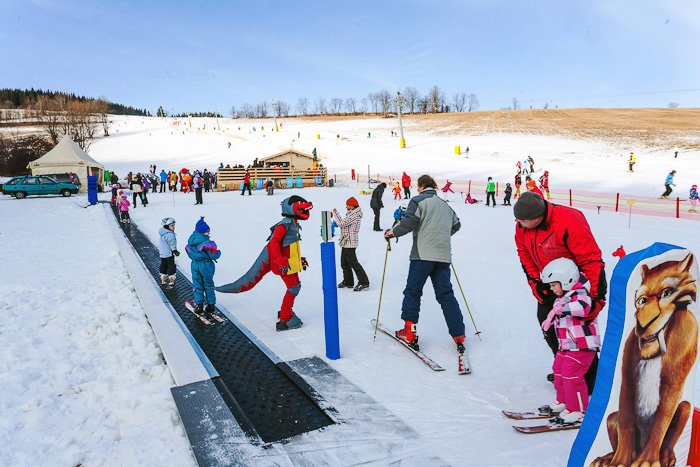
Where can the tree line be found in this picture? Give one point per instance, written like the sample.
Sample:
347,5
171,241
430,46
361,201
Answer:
383,103
27,98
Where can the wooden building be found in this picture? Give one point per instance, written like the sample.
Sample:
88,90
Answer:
288,169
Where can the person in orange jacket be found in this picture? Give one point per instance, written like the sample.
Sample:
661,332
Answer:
397,191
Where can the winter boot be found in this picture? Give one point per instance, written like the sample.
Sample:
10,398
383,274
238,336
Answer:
361,287
459,340
568,417
552,410
343,285
408,334
172,280
163,279
209,310
198,309
293,323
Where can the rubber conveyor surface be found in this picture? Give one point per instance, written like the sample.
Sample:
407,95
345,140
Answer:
267,399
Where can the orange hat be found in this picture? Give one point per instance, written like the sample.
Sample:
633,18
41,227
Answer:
352,202
531,183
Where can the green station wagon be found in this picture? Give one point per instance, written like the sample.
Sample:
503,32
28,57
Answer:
21,187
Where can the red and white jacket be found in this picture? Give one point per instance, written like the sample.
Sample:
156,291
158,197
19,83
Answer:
573,330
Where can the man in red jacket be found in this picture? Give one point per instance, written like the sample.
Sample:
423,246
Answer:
545,232
406,184
246,184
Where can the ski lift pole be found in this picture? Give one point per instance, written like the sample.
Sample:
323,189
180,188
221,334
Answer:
466,303
381,289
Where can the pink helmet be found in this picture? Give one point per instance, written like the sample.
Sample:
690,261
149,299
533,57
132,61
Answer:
694,186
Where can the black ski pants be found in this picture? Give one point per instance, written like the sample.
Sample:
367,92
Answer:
167,265
349,263
246,186
506,200
376,218
668,190
490,195
550,337
198,195
162,187
406,192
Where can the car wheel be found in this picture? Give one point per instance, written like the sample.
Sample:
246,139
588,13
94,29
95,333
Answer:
65,192
20,195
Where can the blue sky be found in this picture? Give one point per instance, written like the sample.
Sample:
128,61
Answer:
197,56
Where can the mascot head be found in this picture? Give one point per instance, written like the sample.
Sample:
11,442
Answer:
296,207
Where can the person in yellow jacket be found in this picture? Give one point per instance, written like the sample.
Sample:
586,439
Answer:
632,161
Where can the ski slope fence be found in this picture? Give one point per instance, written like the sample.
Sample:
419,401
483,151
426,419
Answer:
627,204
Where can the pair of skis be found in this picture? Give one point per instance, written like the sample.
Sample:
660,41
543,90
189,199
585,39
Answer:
463,365
554,424
205,319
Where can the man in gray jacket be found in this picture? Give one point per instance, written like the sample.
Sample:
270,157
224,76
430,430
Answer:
432,222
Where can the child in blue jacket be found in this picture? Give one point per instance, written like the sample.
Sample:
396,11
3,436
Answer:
203,252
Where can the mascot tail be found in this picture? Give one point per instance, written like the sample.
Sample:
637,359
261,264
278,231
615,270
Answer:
260,267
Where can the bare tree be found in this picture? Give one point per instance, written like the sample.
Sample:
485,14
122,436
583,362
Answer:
673,105
261,109
436,99
51,115
516,104
472,102
233,111
363,105
424,104
102,106
373,98
283,108
336,105
320,106
350,105
458,101
546,105
303,106
384,101
411,95
275,107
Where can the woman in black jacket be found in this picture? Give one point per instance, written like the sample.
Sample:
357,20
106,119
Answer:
376,204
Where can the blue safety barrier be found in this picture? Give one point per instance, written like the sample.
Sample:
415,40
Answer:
92,189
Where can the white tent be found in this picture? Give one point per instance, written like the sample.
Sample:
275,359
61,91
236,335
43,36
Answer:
67,156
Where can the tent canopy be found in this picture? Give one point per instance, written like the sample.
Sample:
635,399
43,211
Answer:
67,156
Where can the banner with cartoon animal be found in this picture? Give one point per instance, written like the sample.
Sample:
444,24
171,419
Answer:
641,411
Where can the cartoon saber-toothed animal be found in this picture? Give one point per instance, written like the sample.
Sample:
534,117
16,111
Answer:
658,356
282,256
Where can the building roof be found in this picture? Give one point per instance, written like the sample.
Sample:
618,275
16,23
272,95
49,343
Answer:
287,151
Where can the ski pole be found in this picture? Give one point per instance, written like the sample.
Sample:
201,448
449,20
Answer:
466,303
381,289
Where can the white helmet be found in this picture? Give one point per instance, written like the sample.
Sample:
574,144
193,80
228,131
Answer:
167,222
561,270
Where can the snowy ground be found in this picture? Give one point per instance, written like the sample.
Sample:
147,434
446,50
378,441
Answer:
459,415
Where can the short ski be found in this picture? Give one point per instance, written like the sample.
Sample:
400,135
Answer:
527,415
424,358
201,317
547,428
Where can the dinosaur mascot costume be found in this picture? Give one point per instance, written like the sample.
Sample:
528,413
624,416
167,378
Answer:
282,256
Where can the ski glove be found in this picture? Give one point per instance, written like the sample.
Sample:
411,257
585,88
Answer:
554,314
176,253
540,291
282,265
388,234
304,263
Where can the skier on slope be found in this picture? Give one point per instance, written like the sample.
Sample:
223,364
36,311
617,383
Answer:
377,205
432,222
577,337
669,183
518,181
544,183
406,184
508,191
203,252
282,256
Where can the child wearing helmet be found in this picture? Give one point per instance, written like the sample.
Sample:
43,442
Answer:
508,192
693,198
399,214
578,337
167,249
124,208
203,252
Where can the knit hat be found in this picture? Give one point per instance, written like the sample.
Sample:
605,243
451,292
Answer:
352,202
202,226
531,183
529,206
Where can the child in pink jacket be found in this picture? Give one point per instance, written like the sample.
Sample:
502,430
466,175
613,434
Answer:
577,335
124,209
